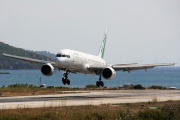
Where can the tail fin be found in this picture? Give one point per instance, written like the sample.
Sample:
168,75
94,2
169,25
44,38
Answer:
103,44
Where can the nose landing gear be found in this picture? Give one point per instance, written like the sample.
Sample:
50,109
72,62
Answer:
65,79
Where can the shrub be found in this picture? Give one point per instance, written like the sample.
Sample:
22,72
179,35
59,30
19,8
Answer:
17,85
91,86
157,87
154,99
138,86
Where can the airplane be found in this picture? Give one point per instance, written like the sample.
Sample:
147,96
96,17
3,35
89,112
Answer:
71,61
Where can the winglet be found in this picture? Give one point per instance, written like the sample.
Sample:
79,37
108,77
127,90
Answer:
103,44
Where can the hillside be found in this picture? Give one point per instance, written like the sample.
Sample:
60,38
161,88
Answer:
8,63
45,53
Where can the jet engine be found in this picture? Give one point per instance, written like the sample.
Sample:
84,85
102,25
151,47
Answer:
47,69
108,73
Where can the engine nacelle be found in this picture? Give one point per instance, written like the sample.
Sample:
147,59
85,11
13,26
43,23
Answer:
47,69
108,73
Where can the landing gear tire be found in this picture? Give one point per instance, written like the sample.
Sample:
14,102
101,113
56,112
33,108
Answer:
64,81
99,83
68,81
102,83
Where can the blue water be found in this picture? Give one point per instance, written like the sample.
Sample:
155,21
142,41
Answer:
163,76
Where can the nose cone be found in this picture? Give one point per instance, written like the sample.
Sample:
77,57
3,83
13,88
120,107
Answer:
61,61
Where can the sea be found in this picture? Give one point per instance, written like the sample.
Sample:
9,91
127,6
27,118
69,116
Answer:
159,76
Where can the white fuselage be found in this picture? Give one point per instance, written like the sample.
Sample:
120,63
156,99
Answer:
78,62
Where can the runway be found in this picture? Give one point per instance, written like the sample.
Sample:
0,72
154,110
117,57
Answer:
94,97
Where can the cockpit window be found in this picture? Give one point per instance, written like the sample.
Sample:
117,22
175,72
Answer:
63,55
68,56
58,55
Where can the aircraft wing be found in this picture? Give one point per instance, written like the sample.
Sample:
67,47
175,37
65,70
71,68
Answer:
139,66
31,60
129,67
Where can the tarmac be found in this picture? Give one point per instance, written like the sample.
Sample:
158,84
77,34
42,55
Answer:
92,97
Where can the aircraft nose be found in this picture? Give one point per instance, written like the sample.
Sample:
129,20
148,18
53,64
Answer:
61,60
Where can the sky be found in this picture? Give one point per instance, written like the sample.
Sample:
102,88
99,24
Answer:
139,31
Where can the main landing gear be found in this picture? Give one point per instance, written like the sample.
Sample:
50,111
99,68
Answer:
99,83
65,79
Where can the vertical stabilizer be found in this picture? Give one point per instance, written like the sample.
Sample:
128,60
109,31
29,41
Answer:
103,44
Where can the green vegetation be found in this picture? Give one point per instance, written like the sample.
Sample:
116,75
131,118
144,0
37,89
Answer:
25,89
45,53
138,86
133,111
8,63
91,86
157,87
17,85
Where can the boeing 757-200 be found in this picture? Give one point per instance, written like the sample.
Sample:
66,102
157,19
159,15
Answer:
71,61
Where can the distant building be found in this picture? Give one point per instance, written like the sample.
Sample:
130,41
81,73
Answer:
172,88
127,85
